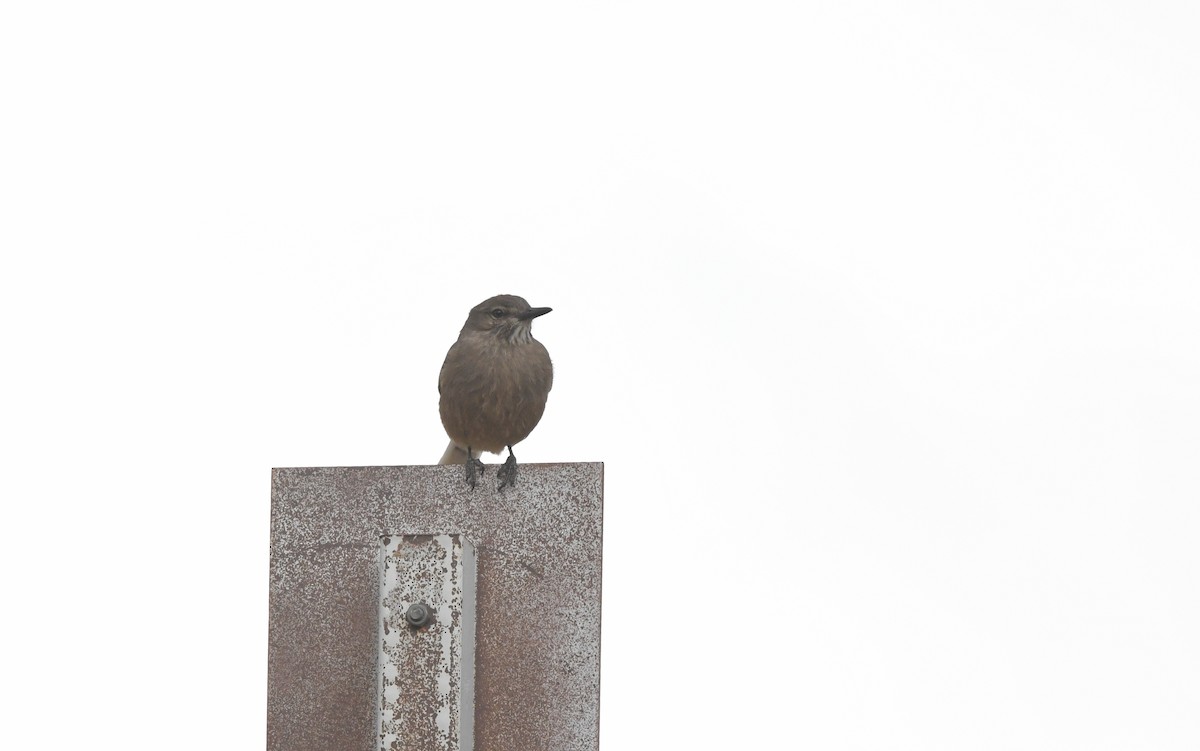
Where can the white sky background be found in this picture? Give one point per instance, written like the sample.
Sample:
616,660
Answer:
883,319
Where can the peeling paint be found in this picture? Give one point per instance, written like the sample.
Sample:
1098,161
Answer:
426,703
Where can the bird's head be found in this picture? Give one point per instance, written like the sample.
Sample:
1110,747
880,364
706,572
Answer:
506,317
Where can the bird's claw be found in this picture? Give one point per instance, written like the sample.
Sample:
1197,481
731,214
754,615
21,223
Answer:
473,468
507,472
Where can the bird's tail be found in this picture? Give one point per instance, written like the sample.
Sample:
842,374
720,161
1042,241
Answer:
454,455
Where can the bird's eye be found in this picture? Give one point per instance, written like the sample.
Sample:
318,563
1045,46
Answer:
497,312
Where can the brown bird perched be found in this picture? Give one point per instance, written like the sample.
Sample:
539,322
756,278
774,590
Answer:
493,385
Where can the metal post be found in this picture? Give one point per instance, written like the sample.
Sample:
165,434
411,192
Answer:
354,666
427,643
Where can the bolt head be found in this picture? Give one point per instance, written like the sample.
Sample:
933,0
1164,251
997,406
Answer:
417,615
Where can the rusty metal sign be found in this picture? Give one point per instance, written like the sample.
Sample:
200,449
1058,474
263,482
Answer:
336,604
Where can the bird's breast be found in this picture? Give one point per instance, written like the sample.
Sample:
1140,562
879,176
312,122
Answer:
493,393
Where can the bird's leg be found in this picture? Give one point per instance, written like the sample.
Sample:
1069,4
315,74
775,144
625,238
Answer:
473,468
508,471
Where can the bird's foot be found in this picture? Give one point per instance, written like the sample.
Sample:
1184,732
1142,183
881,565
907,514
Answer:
472,469
507,472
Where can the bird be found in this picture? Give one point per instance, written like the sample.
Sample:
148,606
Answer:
493,385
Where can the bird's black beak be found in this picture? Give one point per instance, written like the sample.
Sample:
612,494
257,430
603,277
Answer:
533,313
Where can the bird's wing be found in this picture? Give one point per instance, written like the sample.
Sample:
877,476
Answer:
442,372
